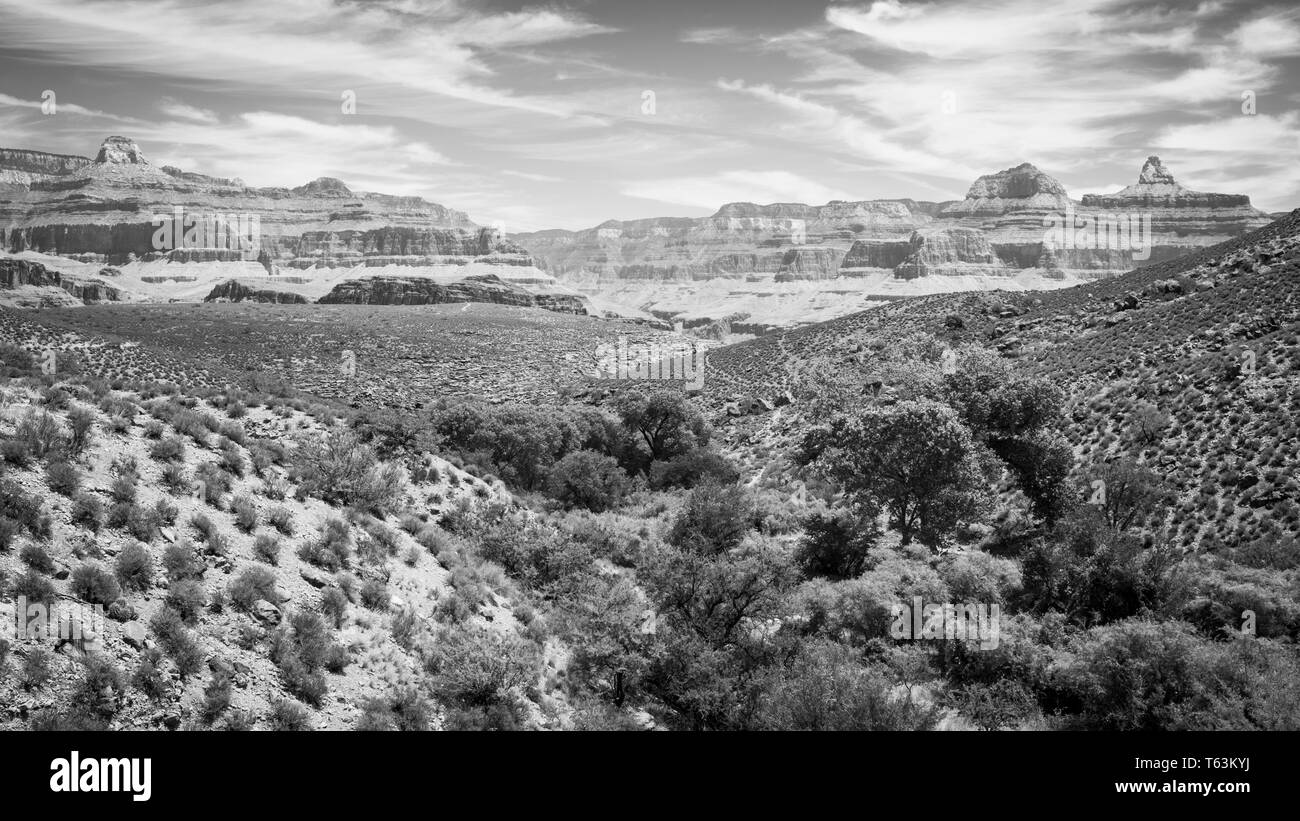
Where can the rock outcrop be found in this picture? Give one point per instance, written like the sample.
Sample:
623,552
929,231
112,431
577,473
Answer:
159,226
1023,188
1157,189
950,252
38,286
234,291
398,290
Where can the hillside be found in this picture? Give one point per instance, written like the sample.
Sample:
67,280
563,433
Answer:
1173,336
234,595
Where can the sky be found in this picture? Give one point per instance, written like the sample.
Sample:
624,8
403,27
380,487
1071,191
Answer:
565,115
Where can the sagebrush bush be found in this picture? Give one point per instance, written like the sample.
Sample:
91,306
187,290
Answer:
63,478
87,511
94,584
37,558
245,513
334,547
184,651
374,595
253,583
135,567
266,548
169,449
188,598
35,587
182,562
334,605
288,715
281,519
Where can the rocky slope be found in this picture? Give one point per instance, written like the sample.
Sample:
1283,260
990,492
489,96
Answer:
1210,341
176,235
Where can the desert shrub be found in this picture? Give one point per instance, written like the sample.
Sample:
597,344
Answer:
334,605
169,449
216,695
245,513
123,489
234,431
174,478
36,669
826,687
694,467
587,479
232,458
188,598
149,677
300,647
143,523
531,551
81,423
334,547
212,483
165,512
40,432
374,595
101,689
476,666
266,548
37,558
87,511
153,429
714,519
94,584
176,640
287,715
23,508
341,470
281,519
63,478
835,547
135,567
182,562
404,709
253,583
16,452
35,587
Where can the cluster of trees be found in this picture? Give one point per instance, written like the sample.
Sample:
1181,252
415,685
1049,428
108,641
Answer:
582,455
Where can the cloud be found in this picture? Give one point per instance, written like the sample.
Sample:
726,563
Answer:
760,186
181,111
524,175
60,106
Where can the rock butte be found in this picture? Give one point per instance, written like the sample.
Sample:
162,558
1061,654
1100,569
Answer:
815,262
749,267
89,226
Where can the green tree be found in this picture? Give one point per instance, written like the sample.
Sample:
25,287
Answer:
916,460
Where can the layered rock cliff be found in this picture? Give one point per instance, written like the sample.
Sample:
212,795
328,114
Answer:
177,234
397,290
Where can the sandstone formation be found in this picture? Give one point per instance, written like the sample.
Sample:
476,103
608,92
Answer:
777,263
400,290
179,235
235,291
25,283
